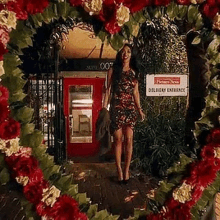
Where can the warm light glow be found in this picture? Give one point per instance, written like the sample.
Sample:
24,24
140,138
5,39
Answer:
83,101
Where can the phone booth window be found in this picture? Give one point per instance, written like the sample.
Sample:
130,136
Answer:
80,109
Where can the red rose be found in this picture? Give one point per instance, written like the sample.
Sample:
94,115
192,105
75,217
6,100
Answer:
17,7
202,173
42,209
196,194
34,7
24,166
208,152
182,212
4,111
171,203
3,50
82,216
36,175
65,208
3,93
136,5
210,11
214,136
183,2
33,191
9,129
112,27
4,36
76,2
161,2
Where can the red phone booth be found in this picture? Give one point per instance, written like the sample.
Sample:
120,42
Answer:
82,103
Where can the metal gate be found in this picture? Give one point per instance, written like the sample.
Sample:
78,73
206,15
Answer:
45,94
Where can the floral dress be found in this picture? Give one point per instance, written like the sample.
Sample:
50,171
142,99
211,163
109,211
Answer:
123,110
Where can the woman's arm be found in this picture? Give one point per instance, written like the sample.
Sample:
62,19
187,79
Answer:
136,95
108,89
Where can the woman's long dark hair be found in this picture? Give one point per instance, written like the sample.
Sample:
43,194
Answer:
118,65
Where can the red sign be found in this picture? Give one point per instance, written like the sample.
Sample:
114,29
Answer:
167,80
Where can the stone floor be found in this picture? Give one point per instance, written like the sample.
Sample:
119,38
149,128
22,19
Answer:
99,180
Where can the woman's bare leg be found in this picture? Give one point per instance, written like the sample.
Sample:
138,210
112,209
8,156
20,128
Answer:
118,151
128,150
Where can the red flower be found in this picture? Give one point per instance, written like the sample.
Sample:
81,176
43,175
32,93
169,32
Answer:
4,36
22,7
214,136
171,203
183,2
3,93
9,129
181,212
17,7
136,5
161,2
196,194
3,50
82,216
75,2
24,166
43,209
112,27
33,191
210,11
202,173
36,176
65,208
34,7
4,111
208,152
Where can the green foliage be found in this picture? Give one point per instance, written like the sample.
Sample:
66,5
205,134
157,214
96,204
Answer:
4,176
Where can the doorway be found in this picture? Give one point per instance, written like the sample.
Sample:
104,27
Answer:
82,103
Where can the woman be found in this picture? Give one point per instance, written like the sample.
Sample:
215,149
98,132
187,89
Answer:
122,86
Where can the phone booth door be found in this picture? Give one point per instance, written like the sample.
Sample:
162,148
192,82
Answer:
82,103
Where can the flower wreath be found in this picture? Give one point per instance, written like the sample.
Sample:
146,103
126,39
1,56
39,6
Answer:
53,195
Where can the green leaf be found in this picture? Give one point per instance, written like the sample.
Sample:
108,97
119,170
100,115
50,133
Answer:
73,190
196,40
81,198
139,17
2,160
27,128
192,13
139,213
101,215
199,22
201,204
117,41
157,12
92,211
74,13
18,96
23,114
102,35
172,10
4,176
13,83
63,9
215,82
182,10
32,140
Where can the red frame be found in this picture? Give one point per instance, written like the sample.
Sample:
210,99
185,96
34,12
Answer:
84,149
